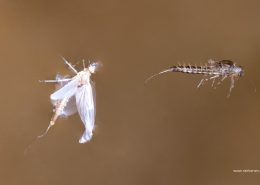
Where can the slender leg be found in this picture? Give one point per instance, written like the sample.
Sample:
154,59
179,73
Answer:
70,66
56,81
232,85
206,79
213,81
201,82
213,77
222,79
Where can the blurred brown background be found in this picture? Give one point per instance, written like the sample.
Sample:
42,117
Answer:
166,132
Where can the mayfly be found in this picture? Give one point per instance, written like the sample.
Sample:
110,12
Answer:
212,70
76,94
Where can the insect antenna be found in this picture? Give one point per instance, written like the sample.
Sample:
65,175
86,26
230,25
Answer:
165,71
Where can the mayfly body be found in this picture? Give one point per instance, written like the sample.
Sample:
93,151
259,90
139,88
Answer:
212,70
76,94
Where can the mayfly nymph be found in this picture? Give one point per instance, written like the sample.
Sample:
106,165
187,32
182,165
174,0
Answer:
76,94
212,70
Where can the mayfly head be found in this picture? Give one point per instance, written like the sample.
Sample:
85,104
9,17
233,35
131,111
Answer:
93,67
238,71
241,71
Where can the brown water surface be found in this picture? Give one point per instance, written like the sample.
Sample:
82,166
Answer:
166,132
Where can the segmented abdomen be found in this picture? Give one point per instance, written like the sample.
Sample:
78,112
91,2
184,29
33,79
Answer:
195,70
59,109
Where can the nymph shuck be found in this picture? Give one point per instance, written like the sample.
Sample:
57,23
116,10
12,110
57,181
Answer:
212,70
76,94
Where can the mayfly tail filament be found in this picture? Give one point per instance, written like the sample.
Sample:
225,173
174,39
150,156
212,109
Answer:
58,111
157,74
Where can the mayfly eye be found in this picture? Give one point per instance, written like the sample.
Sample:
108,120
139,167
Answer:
93,67
242,71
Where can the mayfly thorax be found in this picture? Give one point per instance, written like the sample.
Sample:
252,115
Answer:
76,94
212,70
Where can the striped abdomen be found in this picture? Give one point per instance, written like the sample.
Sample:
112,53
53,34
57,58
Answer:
195,70
59,109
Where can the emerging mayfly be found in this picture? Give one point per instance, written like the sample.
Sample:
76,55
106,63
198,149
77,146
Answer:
75,94
214,69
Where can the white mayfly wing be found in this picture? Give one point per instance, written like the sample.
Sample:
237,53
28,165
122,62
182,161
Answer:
60,77
67,90
94,95
70,107
85,100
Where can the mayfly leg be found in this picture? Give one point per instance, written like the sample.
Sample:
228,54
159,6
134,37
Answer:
219,82
200,83
232,85
213,82
56,81
70,66
206,79
222,79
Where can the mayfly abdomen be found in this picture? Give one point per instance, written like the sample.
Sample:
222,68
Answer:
194,69
59,108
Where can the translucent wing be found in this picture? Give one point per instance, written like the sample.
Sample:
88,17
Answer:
86,108
61,77
70,107
221,63
94,95
67,90
226,62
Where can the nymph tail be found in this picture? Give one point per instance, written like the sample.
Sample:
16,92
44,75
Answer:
157,74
